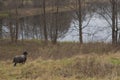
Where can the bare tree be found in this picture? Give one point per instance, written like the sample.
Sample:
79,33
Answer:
1,19
80,20
44,21
59,21
114,21
1,28
17,21
109,12
32,27
81,14
14,21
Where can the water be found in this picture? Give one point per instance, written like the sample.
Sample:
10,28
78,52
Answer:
97,30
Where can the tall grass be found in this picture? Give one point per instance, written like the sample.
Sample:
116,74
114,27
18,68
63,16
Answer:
75,68
61,50
63,61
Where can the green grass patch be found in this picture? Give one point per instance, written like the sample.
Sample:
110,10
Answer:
115,61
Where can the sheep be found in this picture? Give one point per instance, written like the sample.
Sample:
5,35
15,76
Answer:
20,59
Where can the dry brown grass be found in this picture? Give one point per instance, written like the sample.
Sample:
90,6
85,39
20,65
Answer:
76,68
61,50
63,61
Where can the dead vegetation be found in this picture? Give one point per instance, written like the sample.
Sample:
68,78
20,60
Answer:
61,50
63,61
88,67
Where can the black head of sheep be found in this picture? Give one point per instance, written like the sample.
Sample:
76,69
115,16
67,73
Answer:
20,59
25,53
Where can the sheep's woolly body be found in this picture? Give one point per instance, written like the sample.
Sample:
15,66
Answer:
20,58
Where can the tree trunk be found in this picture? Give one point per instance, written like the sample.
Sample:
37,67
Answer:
16,31
55,35
17,23
80,21
1,29
1,8
11,31
114,22
44,21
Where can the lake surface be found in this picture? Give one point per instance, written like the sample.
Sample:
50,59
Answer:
97,30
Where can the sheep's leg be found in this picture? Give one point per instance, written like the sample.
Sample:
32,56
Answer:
15,64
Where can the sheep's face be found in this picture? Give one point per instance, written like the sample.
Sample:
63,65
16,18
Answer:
25,53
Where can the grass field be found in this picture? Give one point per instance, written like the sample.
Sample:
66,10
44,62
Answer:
84,67
64,61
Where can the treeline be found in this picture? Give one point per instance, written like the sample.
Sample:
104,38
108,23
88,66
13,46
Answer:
52,26
45,26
